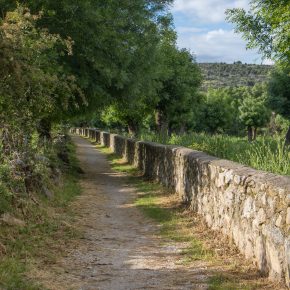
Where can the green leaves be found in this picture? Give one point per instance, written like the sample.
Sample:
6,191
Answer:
253,109
279,91
33,84
265,27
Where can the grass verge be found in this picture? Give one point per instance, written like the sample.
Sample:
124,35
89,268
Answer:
178,224
42,235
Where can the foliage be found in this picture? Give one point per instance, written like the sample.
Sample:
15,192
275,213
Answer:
279,92
31,79
279,95
33,86
217,111
177,96
47,223
253,110
266,27
170,92
113,43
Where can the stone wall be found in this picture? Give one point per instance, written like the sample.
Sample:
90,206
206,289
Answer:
251,207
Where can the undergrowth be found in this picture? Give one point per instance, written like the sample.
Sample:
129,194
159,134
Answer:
44,231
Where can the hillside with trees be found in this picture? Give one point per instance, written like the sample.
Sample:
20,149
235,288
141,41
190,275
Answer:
218,75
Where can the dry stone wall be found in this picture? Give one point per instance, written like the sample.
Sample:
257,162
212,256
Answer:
251,207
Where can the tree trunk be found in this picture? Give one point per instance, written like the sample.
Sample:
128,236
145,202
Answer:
169,131
287,138
182,129
162,124
254,134
133,128
250,133
44,129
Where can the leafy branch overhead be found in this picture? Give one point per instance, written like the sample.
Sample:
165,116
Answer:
266,27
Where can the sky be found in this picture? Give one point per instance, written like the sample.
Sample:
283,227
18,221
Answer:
201,27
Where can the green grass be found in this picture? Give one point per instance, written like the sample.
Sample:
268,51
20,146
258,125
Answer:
12,271
45,235
266,153
222,282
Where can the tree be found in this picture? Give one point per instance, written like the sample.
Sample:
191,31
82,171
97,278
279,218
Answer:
217,113
279,95
179,80
32,80
253,111
114,45
266,27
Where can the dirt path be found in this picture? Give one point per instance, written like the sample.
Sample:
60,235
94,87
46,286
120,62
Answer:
121,248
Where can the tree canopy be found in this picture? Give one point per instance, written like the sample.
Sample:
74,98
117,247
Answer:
266,27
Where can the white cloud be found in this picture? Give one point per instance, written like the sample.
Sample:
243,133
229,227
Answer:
201,27
218,46
207,10
187,29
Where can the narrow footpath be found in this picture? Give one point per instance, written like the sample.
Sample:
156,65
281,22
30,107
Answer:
121,248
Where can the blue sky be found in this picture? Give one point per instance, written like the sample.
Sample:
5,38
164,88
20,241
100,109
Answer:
201,27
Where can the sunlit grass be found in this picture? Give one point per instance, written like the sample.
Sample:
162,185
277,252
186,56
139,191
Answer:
222,282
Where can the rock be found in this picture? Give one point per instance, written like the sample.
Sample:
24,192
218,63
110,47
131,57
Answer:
279,221
42,159
260,254
248,207
288,216
287,251
10,220
47,192
260,218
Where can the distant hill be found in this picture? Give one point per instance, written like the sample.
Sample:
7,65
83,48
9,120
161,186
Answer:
218,75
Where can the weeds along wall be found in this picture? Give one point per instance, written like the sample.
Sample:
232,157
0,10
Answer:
251,207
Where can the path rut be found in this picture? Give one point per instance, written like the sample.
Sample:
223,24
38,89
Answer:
121,248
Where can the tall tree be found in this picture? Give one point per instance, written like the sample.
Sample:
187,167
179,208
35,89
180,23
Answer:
254,113
179,79
113,44
266,27
279,95
32,79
